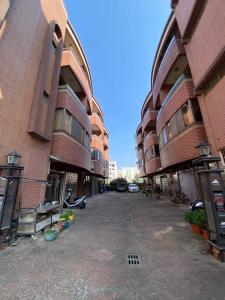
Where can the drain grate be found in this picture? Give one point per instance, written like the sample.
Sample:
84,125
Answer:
134,260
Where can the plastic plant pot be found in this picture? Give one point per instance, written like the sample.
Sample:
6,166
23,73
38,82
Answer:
66,224
50,235
196,229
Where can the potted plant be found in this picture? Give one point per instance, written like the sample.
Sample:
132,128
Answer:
194,218
203,224
67,218
50,234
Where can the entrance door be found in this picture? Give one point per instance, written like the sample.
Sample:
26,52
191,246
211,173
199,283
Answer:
54,187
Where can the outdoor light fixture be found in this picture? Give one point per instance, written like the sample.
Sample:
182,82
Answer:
13,158
204,149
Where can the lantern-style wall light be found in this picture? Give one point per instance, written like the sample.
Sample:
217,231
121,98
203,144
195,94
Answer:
204,149
13,158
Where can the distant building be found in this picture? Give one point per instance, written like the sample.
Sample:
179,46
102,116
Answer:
112,170
119,173
130,174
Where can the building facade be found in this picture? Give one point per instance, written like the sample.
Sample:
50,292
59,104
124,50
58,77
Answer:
113,170
47,103
185,105
131,174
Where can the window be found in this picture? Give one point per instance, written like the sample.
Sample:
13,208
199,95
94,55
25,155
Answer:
196,110
65,121
4,6
187,114
58,119
68,122
96,154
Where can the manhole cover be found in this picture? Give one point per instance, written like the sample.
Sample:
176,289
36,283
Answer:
134,260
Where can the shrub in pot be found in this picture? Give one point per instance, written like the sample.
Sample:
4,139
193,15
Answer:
194,218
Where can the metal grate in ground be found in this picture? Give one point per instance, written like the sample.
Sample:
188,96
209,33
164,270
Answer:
133,260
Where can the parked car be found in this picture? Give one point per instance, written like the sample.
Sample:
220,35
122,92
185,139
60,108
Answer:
121,185
132,188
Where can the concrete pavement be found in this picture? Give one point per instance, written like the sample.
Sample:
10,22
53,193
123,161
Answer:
88,260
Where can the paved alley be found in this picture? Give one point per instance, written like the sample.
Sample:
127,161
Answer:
88,260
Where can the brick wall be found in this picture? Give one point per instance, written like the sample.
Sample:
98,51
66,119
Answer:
67,150
207,40
182,147
180,96
213,112
21,46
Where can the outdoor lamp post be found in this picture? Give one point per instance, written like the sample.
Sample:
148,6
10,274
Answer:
212,191
204,149
13,158
9,183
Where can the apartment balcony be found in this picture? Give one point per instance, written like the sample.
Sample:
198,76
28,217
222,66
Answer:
152,165
70,66
69,154
182,147
97,142
149,120
106,168
139,140
98,167
181,91
97,124
171,67
105,142
69,100
150,140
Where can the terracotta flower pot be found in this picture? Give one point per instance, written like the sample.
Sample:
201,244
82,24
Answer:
196,229
205,234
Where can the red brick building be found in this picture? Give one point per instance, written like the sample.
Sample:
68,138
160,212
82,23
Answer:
46,101
185,105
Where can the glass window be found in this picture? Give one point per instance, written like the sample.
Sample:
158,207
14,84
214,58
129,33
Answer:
187,114
58,119
169,131
196,110
180,120
4,6
173,126
156,150
68,122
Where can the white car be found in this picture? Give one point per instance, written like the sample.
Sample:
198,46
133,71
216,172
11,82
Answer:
132,188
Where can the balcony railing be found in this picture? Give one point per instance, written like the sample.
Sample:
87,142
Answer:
78,60
67,88
149,134
165,53
172,91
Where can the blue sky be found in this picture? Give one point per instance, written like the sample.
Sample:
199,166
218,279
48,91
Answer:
119,38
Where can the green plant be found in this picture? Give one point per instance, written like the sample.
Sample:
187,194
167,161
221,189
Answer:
49,231
196,217
189,217
199,218
67,215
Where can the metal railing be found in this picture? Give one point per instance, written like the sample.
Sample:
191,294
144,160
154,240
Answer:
79,62
149,134
176,85
66,87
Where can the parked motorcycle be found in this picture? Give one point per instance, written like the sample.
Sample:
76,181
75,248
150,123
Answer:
79,202
196,204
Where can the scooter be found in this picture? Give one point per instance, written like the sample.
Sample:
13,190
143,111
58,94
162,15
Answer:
79,202
196,204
